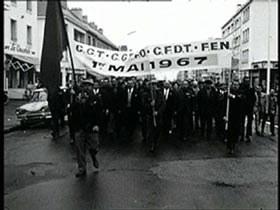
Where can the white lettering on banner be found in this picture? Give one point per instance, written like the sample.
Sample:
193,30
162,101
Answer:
152,59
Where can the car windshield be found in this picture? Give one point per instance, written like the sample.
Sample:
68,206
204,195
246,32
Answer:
39,96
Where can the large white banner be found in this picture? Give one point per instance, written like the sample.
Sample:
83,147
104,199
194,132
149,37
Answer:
154,59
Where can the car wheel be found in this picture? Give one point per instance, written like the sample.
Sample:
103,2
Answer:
23,124
47,122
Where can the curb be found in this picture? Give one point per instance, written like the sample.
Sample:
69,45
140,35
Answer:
14,128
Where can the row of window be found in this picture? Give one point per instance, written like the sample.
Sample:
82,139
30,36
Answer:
28,4
237,22
237,40
14,32
90,40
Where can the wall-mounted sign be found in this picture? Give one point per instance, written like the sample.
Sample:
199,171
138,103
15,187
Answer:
16,49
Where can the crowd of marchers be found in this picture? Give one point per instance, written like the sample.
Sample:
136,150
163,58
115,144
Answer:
115,107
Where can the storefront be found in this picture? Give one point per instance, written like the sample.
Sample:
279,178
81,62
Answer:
19,72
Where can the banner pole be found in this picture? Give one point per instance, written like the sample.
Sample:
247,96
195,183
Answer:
227,108
68,46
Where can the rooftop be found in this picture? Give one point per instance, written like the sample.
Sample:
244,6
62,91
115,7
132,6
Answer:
238,12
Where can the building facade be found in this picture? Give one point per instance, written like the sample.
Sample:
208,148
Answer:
20,46
248,31
78,29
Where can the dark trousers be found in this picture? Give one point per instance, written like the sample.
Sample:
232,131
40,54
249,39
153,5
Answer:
54,122
196,120
249,116
153,132
206,124
184,124
232,134
220,126
71,125
166,123
272,122
144,125
86,141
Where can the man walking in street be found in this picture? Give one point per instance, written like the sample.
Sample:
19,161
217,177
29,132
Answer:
234,118
86,126
248,102
207,103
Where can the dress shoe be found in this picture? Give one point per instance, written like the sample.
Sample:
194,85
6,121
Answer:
248,139
72,142
152,149
231,152
95,162
81,173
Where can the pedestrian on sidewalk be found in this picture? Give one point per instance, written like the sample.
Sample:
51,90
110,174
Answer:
270,113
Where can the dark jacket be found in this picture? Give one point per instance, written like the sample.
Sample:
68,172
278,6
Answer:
207,102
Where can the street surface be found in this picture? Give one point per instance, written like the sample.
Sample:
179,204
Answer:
40,174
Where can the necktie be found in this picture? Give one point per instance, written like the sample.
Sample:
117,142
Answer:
129,97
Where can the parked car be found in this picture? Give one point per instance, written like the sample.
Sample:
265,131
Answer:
36,110
6,98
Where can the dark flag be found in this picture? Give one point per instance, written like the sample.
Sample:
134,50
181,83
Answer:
55,42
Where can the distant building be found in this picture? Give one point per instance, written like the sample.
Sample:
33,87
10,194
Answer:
78,29
247,31
20,46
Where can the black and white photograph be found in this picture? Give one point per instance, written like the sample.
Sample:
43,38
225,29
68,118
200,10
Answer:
140,104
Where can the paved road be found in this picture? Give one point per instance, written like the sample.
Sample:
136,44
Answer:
39,174
10,119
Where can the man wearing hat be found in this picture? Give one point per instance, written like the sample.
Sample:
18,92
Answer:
86,130
207,104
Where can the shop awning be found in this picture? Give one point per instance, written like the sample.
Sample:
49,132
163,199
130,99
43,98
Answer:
24,63
30,60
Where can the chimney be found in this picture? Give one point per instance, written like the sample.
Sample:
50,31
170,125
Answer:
78,12
92,24
239,6
85,18
100,30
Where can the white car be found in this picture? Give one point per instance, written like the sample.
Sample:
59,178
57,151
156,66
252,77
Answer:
36,110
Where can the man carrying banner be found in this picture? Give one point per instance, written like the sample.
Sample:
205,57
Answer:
154,115
234,116
86,128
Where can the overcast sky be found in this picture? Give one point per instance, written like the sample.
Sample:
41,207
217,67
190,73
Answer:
159,22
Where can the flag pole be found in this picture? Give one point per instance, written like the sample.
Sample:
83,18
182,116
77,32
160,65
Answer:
227,108
68,45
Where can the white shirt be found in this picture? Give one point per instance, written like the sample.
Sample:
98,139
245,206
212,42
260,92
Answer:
166,93
130,91
95,91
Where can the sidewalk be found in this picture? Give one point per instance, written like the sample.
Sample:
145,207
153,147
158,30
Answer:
10,119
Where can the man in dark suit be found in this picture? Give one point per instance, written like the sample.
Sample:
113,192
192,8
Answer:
167,108
184,111
107,102
85,116
207,103
131,109
248,102
235,116
144,92
154,114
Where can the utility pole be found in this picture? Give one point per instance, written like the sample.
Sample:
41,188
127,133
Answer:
268,58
